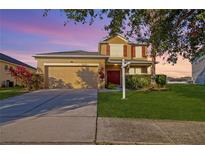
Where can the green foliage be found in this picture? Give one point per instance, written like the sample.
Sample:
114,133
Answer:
137,81
161,80
36,82
176,32
10,92
111,86
180,102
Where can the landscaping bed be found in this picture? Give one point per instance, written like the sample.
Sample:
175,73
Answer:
178,102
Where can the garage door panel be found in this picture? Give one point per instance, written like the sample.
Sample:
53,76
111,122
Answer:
72,77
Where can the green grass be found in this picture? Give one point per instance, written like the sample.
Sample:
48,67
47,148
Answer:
9,92
180,102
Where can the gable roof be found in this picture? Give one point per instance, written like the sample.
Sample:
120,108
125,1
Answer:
14,61
75,53
123,38
112,36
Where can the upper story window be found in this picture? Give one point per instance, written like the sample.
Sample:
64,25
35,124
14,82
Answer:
140,52
116,50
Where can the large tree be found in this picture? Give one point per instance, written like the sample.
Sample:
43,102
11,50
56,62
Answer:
167,32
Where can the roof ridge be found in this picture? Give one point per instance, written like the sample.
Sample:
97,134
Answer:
69,52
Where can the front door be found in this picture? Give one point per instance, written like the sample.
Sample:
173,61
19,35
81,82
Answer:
113,77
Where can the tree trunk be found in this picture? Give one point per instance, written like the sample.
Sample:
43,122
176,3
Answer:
153,72
153,69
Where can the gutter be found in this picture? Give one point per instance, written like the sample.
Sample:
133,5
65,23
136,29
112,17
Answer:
70,56
132,61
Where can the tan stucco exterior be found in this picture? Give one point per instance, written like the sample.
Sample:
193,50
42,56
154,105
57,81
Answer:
118,40
66,69
42,60
70,75
6,75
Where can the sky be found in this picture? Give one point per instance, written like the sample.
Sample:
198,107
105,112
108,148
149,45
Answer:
24,33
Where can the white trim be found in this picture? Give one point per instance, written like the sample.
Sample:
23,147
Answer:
122,38
132,61
110,37
71,64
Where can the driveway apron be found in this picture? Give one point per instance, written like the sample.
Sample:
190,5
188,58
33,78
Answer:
49,116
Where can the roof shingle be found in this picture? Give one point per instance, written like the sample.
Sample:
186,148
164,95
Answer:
14,61
76,52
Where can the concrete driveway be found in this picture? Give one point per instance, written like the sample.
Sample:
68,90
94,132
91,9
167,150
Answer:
49,116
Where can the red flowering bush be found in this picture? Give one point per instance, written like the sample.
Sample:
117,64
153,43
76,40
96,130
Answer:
28,79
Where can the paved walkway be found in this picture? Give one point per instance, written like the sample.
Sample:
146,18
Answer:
138,131
49,116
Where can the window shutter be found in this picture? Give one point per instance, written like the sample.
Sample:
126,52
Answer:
143,51
108,50
125,50
133,51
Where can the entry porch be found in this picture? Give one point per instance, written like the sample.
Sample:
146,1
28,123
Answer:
114,74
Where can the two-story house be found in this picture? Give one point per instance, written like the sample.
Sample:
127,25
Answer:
6,80
80,69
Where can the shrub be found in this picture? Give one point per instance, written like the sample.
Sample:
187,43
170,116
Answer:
36,81
137,81
101,76
143,82
23,75
161,80
131,82
19,86
111,86
29,80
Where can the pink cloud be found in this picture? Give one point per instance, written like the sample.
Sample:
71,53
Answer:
81,37
181,69
71,32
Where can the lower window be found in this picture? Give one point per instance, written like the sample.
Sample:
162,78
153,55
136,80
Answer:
133,71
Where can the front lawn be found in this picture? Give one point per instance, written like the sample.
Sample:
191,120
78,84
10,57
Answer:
180,102
9,92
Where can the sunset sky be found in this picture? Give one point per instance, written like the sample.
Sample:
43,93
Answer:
23,33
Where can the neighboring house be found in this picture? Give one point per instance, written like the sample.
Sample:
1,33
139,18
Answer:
79,69
6,80
198,70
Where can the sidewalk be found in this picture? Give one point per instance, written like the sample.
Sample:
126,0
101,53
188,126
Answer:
140,131
72,127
